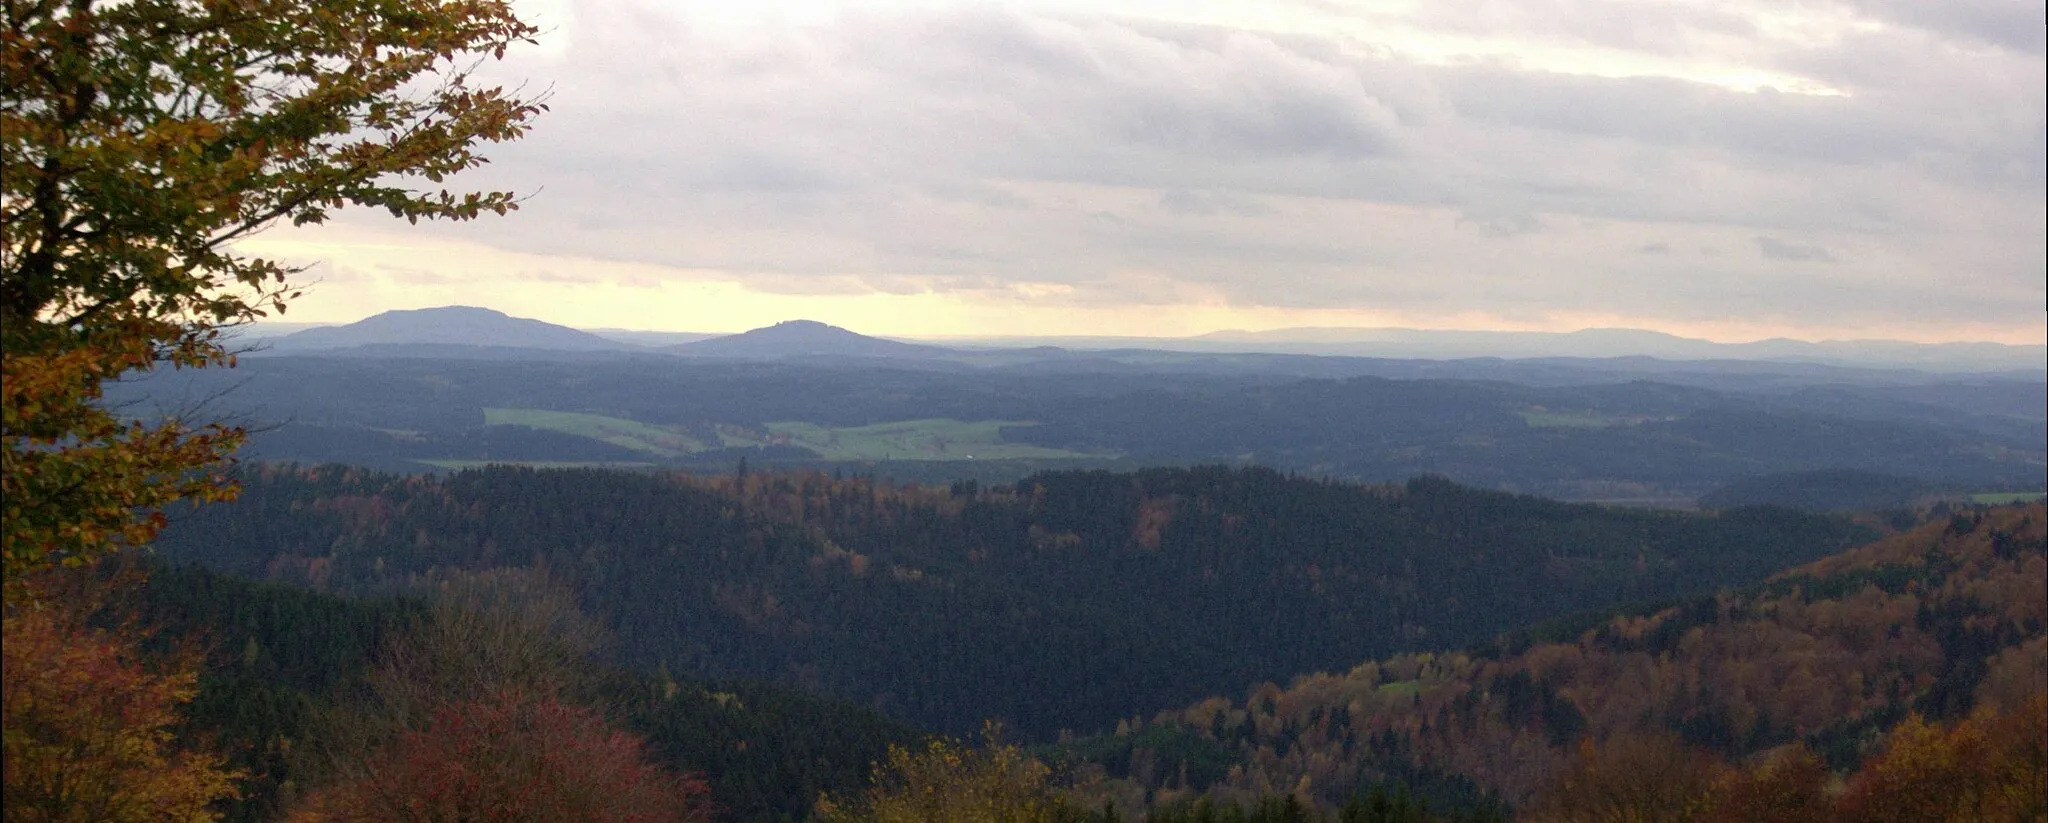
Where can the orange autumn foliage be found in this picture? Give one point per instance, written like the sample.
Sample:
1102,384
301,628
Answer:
508,758
89,725
78,482
1790,786
1993,766
1633,779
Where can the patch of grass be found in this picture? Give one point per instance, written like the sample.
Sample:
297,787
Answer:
1401,688
534,464
1565,420
2002,498
641,437
933,439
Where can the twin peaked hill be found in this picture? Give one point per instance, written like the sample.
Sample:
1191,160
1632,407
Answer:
446,330
470,332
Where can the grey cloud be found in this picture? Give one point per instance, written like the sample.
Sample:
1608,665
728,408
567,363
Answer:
977,193
584,277
1662,28
1659,247
325,272
1776,249
1668,112
1103,103
959,149
1973,117
414,274
1183,201
1500,223
2009,24
1240,94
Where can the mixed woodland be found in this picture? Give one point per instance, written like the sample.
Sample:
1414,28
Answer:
1902,680
446,585
1175,644
790,642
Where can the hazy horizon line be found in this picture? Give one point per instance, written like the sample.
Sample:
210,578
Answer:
1213,333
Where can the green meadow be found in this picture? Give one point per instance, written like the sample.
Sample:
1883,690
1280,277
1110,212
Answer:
1565,420
640,437
532,464
929,439
933,439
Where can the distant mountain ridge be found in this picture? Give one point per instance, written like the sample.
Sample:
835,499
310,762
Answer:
471,326
805,338
446,326
1390,342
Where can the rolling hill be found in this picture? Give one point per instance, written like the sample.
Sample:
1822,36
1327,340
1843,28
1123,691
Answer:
1943,622
806,338
446,326
1068,600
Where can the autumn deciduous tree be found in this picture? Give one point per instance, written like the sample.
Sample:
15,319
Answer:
1993,766
474,715
1642,778
486,632
89,723
139,141
1788,786
511,757
949,782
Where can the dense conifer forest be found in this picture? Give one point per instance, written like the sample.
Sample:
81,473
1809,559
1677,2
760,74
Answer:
1064,602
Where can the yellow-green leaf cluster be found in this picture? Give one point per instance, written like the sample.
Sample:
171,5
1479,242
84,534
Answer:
75,480
949,782
139,141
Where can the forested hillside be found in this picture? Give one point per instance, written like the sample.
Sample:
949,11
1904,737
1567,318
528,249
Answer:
1941,624
1067,601
290,672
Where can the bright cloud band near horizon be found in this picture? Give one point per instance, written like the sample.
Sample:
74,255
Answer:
1725,170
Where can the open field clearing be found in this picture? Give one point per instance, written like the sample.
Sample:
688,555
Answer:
655,440
929,439
935,439
1565,420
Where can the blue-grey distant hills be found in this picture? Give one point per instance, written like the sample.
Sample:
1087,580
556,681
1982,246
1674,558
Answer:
440,328
1429,343
466,331
806,338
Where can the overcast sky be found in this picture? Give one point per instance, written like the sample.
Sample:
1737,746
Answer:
1723,169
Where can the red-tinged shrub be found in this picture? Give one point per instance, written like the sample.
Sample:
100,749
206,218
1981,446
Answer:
511,758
